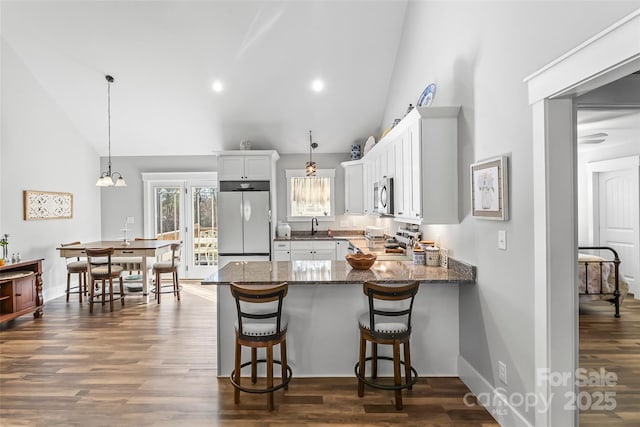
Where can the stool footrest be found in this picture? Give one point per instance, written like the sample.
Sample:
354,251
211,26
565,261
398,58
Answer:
262,390
168,289
414,376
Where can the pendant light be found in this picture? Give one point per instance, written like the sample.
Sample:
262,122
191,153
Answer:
311,166
107,178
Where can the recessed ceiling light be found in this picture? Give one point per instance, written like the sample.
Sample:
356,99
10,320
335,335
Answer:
317,85
217,86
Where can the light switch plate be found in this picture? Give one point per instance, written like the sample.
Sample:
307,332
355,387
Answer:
130,220
502,240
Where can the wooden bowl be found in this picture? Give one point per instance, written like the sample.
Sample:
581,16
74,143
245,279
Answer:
360,261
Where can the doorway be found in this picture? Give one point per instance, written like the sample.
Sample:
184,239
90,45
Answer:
181,206
608,56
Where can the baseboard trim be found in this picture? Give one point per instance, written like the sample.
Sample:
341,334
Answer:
495,402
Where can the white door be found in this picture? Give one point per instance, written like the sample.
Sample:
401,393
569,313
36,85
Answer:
618,220
183,207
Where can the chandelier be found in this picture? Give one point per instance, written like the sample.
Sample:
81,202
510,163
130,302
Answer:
107,179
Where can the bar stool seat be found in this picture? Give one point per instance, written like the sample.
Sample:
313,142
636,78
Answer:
388,322
260,323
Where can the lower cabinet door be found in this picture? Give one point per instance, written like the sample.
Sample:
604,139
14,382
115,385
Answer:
281,256
24,292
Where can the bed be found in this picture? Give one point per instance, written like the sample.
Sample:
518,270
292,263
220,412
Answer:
599,275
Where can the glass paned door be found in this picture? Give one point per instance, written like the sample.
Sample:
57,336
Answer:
180,207
204,246
167,217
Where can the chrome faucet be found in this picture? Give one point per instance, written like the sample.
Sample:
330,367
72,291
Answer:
312,229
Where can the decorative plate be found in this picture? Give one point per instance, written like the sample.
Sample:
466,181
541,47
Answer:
427,96
369,145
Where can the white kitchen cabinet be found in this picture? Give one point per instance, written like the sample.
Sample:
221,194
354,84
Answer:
252,166
281,251
415,168
426,178
398,179
353,187
313,250
342,249
367,178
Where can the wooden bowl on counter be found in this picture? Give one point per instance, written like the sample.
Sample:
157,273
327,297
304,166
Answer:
361,261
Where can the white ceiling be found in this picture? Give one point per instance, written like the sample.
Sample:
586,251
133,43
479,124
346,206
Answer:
164,57
610,114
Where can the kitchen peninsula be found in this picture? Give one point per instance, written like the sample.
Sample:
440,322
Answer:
323,304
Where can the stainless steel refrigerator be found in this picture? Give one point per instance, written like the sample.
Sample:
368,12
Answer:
244,221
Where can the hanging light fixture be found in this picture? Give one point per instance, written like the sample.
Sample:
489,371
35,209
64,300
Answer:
107,179
311,166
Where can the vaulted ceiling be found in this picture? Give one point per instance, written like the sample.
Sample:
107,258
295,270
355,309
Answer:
165,56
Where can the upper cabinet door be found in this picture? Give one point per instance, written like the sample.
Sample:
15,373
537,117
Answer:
353,188
257,168
244,168
231,168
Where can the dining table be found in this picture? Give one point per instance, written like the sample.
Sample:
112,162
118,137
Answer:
134,249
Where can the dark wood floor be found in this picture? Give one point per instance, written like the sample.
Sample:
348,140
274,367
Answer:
155,365
146,364
613,345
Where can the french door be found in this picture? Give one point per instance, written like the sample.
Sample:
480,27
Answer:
183,207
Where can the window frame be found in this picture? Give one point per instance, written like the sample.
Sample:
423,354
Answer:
300,173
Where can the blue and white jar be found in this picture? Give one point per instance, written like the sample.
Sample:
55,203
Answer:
356,153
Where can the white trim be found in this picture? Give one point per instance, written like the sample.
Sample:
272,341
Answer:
497,404
300,173
604,58
609,55
179,176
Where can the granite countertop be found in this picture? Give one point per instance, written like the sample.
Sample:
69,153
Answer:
339,272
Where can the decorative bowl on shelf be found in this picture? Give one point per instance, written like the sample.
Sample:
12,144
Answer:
361,261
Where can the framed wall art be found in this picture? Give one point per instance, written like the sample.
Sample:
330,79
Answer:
489,189
47,205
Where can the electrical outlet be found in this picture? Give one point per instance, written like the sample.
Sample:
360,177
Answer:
130,220
502,240
502,372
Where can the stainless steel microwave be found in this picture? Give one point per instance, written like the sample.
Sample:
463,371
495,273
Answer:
383,196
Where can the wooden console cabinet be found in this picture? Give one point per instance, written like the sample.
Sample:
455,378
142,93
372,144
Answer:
21,289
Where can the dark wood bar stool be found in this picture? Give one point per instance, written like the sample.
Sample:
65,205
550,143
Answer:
168,267
78,267
102,270
260,324
387,322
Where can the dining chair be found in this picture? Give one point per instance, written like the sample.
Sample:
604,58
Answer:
101,271
168,267
76,265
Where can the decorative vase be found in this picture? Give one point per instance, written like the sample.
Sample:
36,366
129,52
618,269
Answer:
356,153
245,144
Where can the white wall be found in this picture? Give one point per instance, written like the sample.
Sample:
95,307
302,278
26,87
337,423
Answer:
478,54
118,203
121,202
41,150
